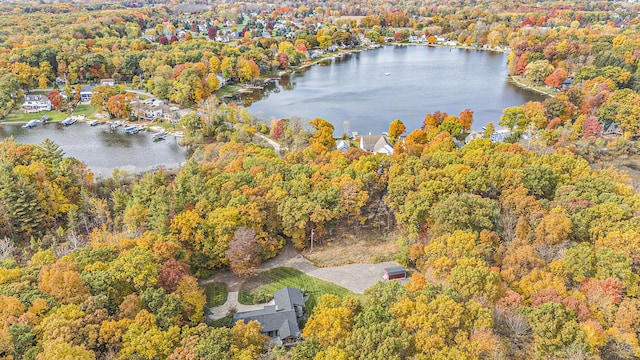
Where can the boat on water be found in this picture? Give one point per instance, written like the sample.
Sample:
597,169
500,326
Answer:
69,121
115,125
30,124
387,74
93,123
131,130
159,136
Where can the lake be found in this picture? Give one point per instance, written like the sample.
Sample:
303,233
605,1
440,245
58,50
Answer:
372,88
102,149
361,92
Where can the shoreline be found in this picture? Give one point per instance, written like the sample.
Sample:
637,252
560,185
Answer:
303,67
513,78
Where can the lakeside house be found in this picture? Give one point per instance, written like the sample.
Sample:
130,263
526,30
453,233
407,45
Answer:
36,103
472,136
377,144
86,92
156,109
107,82
281,321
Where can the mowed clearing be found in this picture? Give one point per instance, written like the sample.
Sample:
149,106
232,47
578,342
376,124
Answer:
365,247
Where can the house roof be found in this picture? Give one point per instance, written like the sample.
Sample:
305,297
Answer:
394,270
375,144
612,128
287,297
35,98
289,329
381,144
272,319
342,145
280,317
368,142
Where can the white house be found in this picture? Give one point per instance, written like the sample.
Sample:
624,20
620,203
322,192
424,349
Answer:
472,136
154,102
152,113
377,144
107,82
36,103
86,93
342,145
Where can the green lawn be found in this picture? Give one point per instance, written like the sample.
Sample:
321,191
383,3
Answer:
227,90
216,293
17,115
275,279
86,110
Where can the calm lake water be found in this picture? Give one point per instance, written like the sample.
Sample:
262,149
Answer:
103,150
372,88
368,90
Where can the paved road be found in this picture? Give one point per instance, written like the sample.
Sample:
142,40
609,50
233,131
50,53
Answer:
355,277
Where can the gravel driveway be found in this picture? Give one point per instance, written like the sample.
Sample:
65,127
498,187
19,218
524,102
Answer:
355,277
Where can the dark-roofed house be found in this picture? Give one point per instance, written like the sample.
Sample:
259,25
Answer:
612,129
280,321
377,144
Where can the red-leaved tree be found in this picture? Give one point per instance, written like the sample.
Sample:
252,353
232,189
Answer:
591,127
244,252
171,273
56,99
212,32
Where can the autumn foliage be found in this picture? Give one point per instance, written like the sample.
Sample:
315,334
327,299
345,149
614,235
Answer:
518,251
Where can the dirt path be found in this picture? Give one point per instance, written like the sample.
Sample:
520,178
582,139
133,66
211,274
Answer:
355,277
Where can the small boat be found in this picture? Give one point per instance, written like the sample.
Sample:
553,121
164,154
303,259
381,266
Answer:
131,130
93,123
69,121
30,124
387,74
159,136
115,125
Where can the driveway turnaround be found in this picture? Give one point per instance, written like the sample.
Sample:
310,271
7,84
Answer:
355,277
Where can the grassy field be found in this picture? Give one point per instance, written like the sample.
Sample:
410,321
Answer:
261,288
345,247
227,90
87,110
17,115
216,293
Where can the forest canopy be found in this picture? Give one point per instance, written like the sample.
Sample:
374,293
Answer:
517,250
